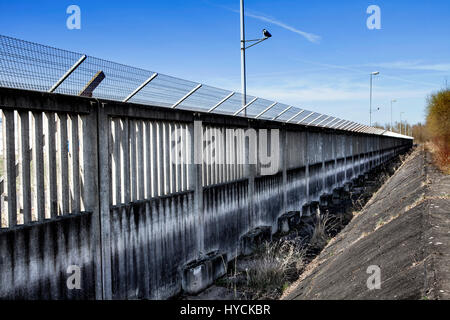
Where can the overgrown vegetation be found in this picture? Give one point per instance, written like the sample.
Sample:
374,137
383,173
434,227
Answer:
325,227
419,132
268,272
275,265
438,127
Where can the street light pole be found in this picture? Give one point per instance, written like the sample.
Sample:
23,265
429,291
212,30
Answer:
401,122
243,79
370,110
392,101
266,35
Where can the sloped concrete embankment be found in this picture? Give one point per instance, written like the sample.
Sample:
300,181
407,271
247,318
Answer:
403,229
268,262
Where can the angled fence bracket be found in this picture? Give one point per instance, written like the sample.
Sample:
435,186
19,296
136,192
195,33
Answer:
295,116
244,107
282,112
309,115
329,123
337,124
67,74
221,102
322,121
186,96
320,116
140,87
266,109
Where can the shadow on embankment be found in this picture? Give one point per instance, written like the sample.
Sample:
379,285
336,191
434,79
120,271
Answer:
403,230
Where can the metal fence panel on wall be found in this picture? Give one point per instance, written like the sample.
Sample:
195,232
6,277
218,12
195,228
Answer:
31,66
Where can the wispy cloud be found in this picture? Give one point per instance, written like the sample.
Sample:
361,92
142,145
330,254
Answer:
315,89
316,94
403,65
308,36
335,95
262,17
413,65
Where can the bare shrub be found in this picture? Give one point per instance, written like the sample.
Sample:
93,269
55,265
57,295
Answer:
321,233
438,126
273,266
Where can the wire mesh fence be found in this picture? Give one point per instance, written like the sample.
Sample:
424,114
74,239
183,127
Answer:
31,66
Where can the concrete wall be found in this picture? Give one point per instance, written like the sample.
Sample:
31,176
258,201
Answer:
150,240
149,220
34,259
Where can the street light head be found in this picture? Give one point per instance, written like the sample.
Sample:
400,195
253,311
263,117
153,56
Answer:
266,33
375,73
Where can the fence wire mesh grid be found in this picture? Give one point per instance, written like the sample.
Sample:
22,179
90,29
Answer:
31,66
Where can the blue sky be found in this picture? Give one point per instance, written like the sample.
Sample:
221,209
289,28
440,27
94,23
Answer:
319,58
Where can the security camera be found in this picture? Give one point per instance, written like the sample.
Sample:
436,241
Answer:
266,33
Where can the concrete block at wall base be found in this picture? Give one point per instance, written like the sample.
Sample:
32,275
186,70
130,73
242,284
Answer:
200,274
348,206
357,190
288,221
314,207
371,186
348,186
359,181
305,210
337,195
310,209
326,200
254,238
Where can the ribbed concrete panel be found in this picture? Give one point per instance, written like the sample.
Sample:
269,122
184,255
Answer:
314,154
327,146
226,216
296,142
268,200
150,240
35,259
296,189
340,146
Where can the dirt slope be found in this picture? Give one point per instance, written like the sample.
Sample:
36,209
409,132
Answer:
404,229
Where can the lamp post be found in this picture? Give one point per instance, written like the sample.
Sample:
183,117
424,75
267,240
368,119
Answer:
392,101
243,79
401,122
370,110
266,35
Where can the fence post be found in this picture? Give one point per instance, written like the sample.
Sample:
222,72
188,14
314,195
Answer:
335,157
283,162
306,160
103,128
250,173
352,135
346,153
323,171
195,178
88,147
